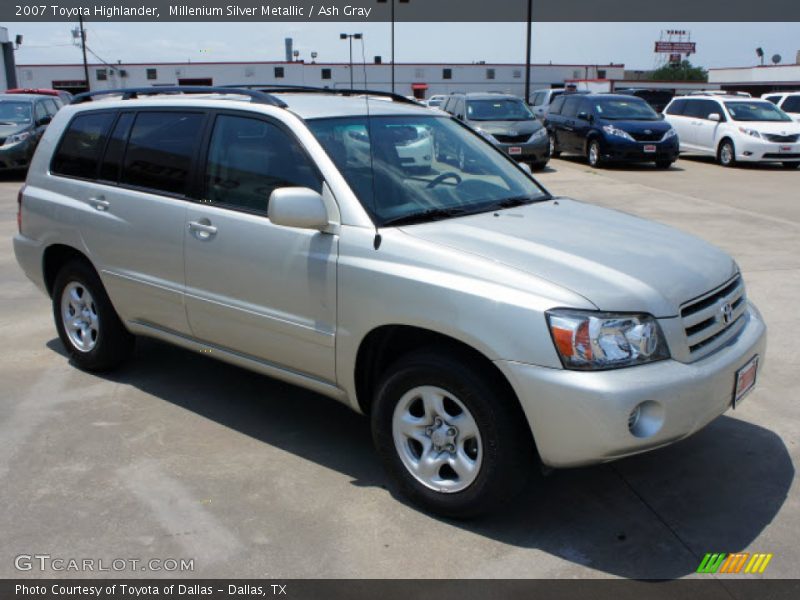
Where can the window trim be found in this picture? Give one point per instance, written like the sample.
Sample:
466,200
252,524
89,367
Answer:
198,183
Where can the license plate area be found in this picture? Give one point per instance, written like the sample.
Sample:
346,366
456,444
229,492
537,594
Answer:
515,150
785,149
649,148
745,381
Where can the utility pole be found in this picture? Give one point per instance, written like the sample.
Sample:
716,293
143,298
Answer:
83,49
528,55
349,37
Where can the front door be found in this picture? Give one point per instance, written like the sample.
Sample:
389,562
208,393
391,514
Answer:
262,290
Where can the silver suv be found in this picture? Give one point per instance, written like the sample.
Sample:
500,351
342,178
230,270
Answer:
485,325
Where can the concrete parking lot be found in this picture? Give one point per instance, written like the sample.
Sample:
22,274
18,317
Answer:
179,456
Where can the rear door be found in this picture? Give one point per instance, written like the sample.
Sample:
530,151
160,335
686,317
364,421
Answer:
134,201
674,115
705,133
262,290
570,139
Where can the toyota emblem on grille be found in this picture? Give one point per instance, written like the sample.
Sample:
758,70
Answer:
648,131
727,313
512,132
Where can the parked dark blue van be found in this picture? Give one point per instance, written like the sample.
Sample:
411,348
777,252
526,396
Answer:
610,128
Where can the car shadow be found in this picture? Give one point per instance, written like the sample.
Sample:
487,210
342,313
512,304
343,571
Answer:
13,175
757,166
652,516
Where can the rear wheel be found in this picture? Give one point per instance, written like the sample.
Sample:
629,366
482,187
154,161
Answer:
554,151
727,154
593,154
87,323
450,437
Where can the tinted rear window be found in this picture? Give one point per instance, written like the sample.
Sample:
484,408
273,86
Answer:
81,145
112,161
791,104
160,150
555,107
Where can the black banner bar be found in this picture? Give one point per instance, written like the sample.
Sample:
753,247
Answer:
704,588
410,11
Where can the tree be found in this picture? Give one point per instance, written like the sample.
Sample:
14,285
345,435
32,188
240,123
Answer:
683,71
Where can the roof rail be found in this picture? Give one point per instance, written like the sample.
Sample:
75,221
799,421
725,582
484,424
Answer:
133,93
302,89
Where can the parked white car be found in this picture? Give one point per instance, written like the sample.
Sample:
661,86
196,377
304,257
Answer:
788,102
735,129
436,100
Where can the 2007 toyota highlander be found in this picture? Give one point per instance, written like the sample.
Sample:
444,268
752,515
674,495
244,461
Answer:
485,325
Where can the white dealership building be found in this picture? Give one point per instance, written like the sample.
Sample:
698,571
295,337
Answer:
419,79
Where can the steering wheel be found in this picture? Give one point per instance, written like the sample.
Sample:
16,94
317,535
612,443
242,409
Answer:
442,177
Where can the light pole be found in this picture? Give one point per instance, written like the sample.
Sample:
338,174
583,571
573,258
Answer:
350,37
392,18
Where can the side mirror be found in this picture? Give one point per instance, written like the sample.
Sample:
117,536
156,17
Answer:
44,120
298,207
714,117
583,116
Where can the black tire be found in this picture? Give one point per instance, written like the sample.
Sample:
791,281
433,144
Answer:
595,158
790,165
112,343
726,154
538,165
664,164
554,151
508,455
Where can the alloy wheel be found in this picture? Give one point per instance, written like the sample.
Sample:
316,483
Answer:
79,316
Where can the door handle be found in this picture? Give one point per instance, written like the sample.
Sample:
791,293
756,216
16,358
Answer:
203,229
99,202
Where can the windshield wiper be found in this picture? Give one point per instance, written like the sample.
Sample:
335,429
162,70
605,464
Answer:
515,201
432,214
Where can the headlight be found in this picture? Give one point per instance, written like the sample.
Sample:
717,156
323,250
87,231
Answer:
17,137
590,340
539,134
671,133
752,132
611,130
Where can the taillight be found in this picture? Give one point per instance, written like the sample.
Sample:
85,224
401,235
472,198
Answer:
19,208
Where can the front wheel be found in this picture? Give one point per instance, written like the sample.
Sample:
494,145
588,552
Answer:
450,436
87,323
727,154
554,151
593,154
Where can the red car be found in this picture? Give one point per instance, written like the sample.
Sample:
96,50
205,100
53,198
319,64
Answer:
64,97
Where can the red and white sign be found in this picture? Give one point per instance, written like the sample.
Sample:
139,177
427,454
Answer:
676,47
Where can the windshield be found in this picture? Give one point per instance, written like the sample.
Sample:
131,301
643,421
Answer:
15,113
628,109
502,109
412,169
756,111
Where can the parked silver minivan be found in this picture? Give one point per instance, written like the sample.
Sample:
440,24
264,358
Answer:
485,325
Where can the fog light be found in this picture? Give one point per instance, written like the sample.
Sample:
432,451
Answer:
747,153
646,419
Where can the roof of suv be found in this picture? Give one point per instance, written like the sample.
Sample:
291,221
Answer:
304,105
487,96
21,97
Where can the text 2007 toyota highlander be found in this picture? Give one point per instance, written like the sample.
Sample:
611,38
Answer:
481,322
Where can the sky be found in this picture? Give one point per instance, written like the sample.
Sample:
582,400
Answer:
718,44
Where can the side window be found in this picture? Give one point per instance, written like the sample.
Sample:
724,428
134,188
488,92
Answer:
557,105
710,107
160,150
81,145
115,150
773,99
571,105
791,104
449,104
50,106
39,111
693,108
249,158
677,107
538,98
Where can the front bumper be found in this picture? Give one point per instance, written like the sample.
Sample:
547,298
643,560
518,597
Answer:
761,150
581,417
16,156
619,149
531,151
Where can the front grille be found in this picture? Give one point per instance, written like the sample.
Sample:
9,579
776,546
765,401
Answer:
710,319
640,136
782,155
512,139
781,139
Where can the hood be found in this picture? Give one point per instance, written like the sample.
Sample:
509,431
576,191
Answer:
7,130
506,127
616,261
637,126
